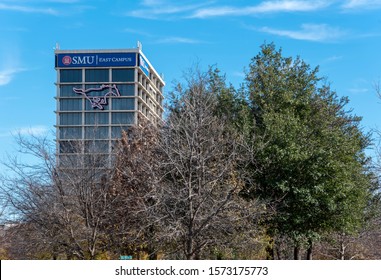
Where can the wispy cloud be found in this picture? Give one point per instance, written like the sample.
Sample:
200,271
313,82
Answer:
178,40
362,4
64,1
7,75
156,9
358,90
33,130
360,86
37,130
137,32
157,39
27,9
308,32
333,58
152,2
264,7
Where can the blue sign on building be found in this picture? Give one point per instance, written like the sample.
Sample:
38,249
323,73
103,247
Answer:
143,65
95,59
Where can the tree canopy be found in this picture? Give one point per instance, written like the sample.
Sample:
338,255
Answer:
312,165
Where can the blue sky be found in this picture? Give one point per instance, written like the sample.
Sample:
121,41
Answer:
343,38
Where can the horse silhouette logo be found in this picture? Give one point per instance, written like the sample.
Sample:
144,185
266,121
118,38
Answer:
98,101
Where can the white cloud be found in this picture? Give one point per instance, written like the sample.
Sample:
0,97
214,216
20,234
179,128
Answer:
358,90
362,4
161,10
7,75
178,40
264,7
38,130
33,130
239,74
333,58
360,86
308,32
27,9
152,2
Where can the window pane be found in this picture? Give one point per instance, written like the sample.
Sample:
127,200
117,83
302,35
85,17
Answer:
96,75
67,91
96,132
71,104
70,132
71,119
97,146
123,118
70,147
72,75
123,103
98,96
116,131
70,161
96,118
123,75
102,106
96,160
126,90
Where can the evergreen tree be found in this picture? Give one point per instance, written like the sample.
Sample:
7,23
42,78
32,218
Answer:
312,167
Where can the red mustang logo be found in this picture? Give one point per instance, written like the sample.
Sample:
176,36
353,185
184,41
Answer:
98,101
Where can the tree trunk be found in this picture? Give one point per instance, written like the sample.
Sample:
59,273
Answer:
270,254
297,253
309,250
342,250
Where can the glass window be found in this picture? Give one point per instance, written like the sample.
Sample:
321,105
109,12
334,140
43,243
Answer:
96,160
101,105
126,90
70,161
95,86
96,132
123,75
96,118
70,75
123,118
123,103
70,147
116,131
96,75
98,97
70,118
70,132
96,146
71,104
67,91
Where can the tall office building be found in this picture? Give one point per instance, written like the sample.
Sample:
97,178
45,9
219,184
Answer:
99,94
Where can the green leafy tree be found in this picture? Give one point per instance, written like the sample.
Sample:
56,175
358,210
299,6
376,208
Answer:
312,167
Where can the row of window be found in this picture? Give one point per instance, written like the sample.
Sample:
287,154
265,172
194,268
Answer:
68,90
75,146
117,118
92,160
97,75
87,146
91,132
113,103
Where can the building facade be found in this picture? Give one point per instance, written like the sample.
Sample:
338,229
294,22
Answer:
99,94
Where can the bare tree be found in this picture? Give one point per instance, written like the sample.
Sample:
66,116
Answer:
198,198
134,182
59,210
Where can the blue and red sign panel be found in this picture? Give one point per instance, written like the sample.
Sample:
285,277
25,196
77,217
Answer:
71,60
